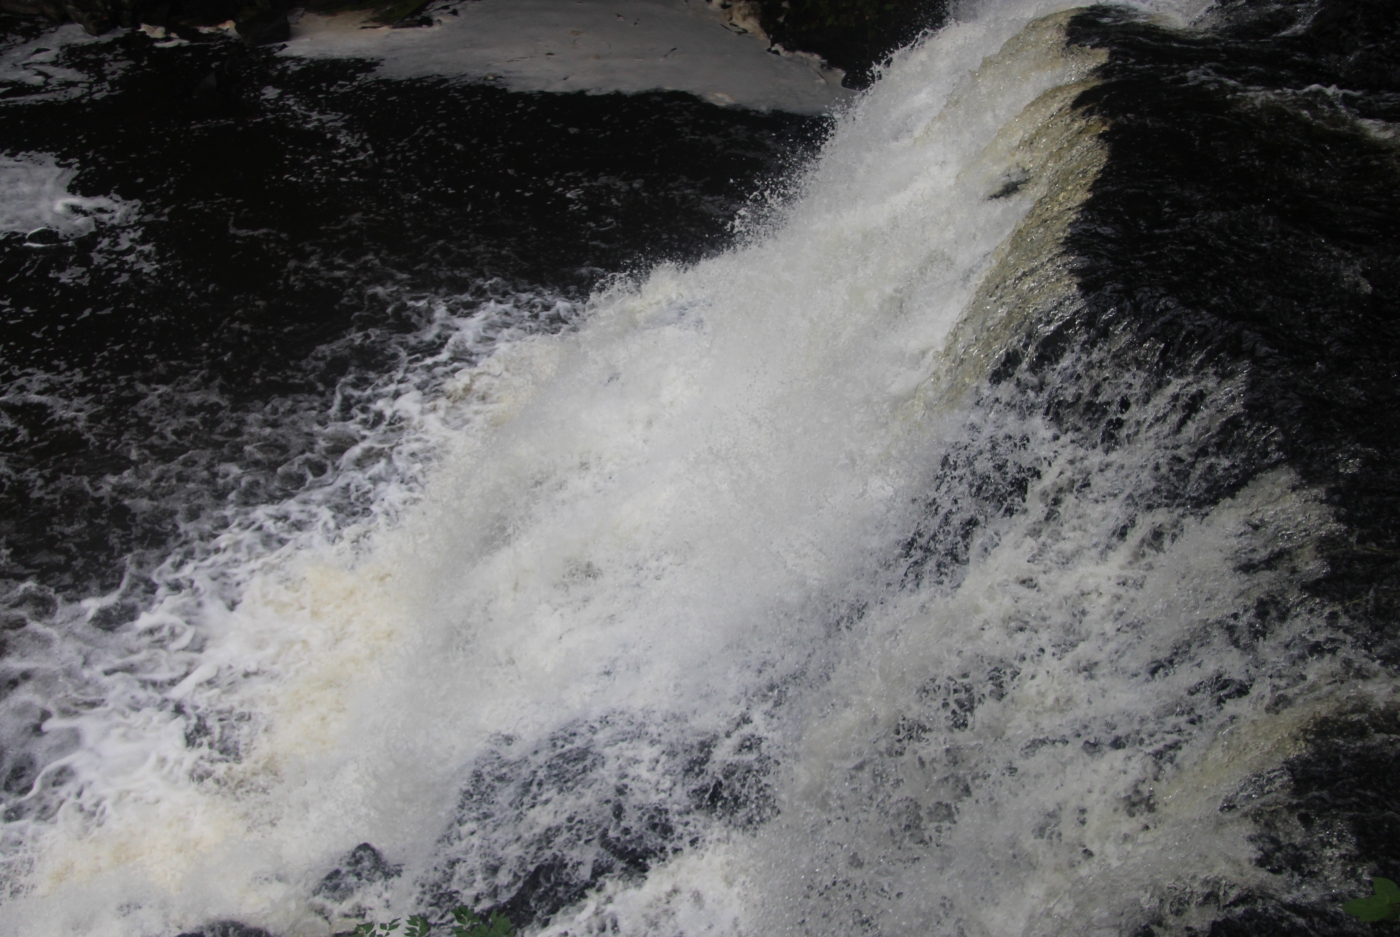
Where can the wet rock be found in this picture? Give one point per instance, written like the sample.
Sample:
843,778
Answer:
95,16
853,35
32,601
391,14
227,929
540,825
42,237
1282,919
134,13
1326,823
197,13
111,617
267,27
398,13
363,865
49,9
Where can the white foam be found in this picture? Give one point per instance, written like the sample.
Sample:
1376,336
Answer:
598,46
34,193
35,64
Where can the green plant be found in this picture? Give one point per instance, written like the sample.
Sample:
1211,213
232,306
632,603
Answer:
1384,905
466,924
469,925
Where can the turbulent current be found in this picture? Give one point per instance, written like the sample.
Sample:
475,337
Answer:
971,513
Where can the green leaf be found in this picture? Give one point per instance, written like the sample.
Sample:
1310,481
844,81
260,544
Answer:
469,925
1384,905
1374,908
418,926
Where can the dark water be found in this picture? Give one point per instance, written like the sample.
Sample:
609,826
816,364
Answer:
292,218
1248,223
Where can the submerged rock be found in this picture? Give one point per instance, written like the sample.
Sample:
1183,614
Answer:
95,16
363,865
49,9
392,14
227,929
266,27
541,824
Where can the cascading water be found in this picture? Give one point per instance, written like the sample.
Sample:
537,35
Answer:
946,557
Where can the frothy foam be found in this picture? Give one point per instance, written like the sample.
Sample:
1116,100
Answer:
34,195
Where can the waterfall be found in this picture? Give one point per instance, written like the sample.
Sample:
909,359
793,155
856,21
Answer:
908,567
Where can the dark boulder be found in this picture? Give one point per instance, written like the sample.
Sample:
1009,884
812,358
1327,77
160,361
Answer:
49,9
394,14
264,28
227,929
95,16
363,865
43,237
132,13
853,35
195,13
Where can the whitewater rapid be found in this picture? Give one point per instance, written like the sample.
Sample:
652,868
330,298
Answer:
764,598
